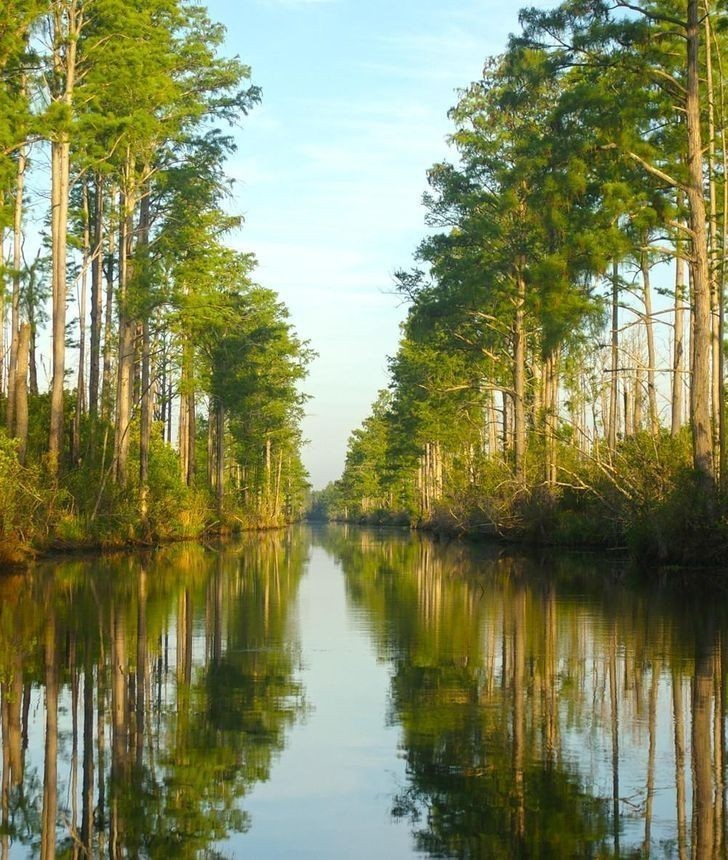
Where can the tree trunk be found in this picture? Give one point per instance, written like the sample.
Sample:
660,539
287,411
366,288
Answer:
715,303
519,378
21,392
97,274
614,382
651,352
701,347
67,21
81,376
106,381
15,300
678,361
145,428
125,370
220,457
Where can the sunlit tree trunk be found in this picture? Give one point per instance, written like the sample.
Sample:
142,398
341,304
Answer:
97,279
678,360
702,335
715,288
107,369
127,327
67,22
650,336
614,380
81,375
145,418
15,300
519,377
21,391
220,457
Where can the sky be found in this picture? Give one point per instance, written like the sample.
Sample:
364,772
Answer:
331,168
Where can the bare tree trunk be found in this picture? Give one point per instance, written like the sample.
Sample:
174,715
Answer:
15,300
67,22
715,303
21,392
701,378
678,361
97,274
220,457
145,428
614,382
81,377
125,370
651,353
519,377
106,377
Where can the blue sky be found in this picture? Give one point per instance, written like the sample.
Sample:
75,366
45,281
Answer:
330,171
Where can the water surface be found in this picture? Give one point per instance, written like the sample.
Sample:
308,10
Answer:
336,692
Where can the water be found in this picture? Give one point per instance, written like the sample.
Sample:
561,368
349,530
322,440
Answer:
336,692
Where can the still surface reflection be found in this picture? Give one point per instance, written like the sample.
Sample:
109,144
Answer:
528,707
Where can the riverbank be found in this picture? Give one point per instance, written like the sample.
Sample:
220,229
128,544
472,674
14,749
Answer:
658,515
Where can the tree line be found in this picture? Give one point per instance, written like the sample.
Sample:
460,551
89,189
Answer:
543,383
115,217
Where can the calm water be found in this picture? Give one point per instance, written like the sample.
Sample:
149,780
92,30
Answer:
342,693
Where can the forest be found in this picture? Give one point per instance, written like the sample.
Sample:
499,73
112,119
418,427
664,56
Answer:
560,375
172,402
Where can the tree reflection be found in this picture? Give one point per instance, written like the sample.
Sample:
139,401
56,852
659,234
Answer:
165,687
545,709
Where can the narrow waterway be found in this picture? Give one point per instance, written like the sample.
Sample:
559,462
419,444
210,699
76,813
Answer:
335,692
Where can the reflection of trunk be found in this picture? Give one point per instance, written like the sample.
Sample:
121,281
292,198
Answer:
50,790
184,638
141,674
5,764
677,708
101,746
551,693
74,737
519,727
87,799
119,729
652,718
217,615
719,747
615,738
703,809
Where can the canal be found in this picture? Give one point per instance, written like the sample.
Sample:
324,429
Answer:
334,692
